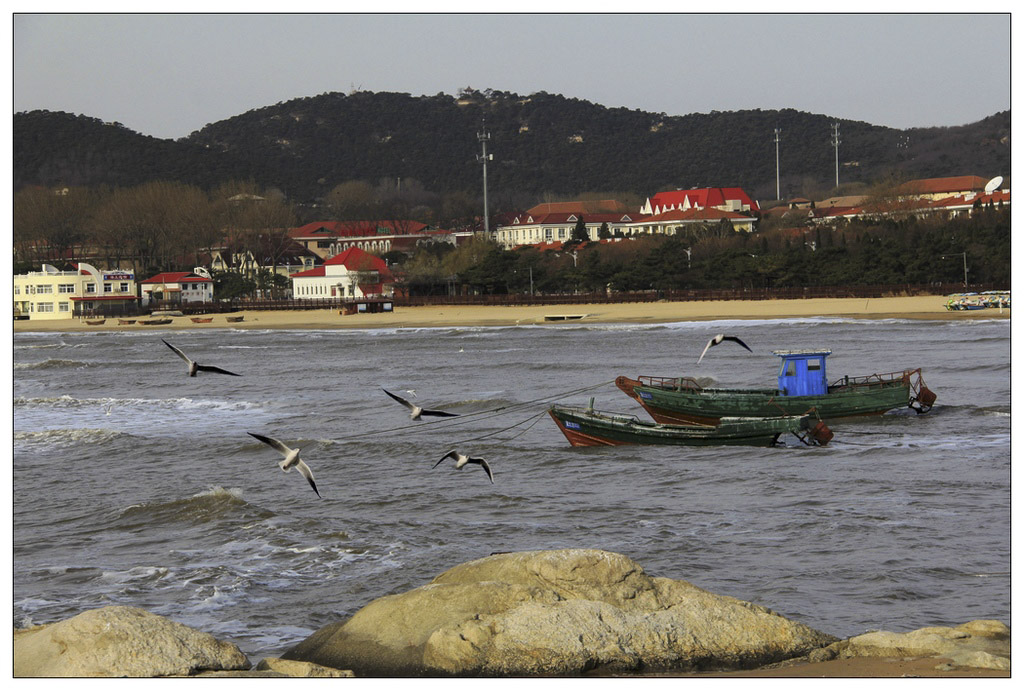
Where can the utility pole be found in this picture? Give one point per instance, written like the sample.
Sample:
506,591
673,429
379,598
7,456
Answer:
778,194
835,143
484,137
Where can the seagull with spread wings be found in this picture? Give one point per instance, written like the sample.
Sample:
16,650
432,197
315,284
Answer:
461,460
415,411
291,459
194,367
718,339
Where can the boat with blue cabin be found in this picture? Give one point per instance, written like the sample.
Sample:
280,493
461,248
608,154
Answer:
802,385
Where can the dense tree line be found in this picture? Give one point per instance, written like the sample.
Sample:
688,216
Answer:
545,146
886,252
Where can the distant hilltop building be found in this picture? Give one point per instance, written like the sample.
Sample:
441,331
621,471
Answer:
329,238
940,188
721,198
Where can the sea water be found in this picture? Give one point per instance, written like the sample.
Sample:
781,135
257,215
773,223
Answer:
137,485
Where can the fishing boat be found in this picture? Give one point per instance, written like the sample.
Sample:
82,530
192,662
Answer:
235,319
202,320
95,322
588,427
155,322
125,322
802,385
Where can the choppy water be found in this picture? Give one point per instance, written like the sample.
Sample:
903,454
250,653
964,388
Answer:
137,485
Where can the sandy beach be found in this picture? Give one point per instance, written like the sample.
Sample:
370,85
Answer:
915,307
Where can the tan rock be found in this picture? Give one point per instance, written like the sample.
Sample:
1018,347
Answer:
554,612
980,643
295,668
120,642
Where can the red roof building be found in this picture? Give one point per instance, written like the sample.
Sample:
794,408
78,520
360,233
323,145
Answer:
940,188
328,238
723,198
352,274
177,286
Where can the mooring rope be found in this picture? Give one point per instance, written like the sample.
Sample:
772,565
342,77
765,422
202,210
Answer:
478,415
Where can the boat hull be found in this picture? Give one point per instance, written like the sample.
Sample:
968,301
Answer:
585,427
864,396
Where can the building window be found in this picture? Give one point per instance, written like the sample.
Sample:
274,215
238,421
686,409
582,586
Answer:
44,289
44,307
124,287
63,306
66,288
90,287
108,287
323,244
17,290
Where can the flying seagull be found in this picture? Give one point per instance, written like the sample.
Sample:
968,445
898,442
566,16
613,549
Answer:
718,339
461,460
194,367
415,411
291,459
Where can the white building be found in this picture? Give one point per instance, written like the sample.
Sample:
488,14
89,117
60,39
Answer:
182,287
53,294
351,274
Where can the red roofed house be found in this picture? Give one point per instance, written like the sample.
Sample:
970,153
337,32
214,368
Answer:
671,222
352,274
722,198
177,286
940,188
328,238
532,229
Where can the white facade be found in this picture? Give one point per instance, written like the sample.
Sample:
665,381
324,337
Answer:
53,294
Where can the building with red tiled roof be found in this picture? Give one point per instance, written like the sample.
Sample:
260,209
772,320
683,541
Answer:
180,287
940,188
671,222
530,229
602,206
328,238
354,273
723,198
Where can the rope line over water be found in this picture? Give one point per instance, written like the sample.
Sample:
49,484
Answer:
478,415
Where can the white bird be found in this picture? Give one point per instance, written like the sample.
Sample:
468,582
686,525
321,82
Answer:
411,392
718,339
461,460
416,411
291,459
194,367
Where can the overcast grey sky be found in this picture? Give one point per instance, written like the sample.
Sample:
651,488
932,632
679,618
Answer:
169,75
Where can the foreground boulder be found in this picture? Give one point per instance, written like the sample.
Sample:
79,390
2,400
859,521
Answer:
561,612
120,642
980,644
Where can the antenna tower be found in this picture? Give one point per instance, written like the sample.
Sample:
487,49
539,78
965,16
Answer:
835,143
484,137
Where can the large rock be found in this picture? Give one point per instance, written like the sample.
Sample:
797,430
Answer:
983,643
120,642
555,612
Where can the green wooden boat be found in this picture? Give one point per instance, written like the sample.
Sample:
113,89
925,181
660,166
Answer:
588,427
802,386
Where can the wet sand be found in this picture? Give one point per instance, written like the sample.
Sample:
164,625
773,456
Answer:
916,307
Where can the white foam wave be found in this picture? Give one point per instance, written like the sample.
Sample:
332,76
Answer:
67,437
183,403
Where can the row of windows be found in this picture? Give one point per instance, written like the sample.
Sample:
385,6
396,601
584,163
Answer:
47,288
48,307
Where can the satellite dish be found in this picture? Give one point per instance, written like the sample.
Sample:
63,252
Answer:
993,184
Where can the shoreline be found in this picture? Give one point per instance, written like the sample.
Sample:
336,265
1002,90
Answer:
912,307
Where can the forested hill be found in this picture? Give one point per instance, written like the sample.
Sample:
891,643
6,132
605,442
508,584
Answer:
543,145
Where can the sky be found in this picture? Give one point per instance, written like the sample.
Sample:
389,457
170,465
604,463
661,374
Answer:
167,75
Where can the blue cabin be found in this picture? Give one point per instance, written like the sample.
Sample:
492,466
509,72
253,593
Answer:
803,372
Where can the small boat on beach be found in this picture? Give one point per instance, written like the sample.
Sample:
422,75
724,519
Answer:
155,322
125,322
202,320
235,320
802,385
588,427
95,322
